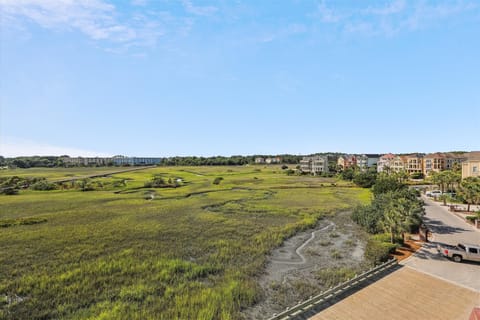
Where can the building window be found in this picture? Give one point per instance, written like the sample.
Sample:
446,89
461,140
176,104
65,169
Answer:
474,169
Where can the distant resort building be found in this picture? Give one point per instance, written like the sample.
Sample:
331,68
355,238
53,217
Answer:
259,160
471,166
347,161
270,160
110,161
390,163
413,163
273,160
87,161
366,161
363,161
314,164
455,159
433,162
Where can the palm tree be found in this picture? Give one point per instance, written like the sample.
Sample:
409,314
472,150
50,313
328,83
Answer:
400,213
392,215
445,180
470,190
412,213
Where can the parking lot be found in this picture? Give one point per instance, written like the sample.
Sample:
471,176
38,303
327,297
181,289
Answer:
450,229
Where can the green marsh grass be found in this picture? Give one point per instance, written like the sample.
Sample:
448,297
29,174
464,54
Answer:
193,252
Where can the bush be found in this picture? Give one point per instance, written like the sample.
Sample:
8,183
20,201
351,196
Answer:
9,191
365,179
377,252
335,254
367,217
385,237
155,183
5,223
384,184
333,276
417,175
43,186
217,180
473,218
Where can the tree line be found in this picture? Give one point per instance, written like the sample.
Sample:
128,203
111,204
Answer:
54,161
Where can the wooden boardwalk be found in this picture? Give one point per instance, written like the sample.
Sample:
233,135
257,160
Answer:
405,294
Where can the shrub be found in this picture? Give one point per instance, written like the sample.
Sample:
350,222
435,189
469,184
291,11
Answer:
325,243
473,218
333,276
417,175
5,223
385,237
365,179
335,254
9,191
367,217
217,180
43,186
377,252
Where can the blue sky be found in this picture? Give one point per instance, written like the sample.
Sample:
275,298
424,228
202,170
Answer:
165,77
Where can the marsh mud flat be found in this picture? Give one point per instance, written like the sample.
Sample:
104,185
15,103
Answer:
294,271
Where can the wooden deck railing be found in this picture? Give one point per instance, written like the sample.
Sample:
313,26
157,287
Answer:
302,307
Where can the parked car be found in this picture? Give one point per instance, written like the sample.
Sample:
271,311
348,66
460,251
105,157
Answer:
460,252
450,194
433,193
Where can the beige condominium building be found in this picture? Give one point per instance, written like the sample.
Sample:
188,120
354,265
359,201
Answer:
471,166
413,163
454,159
434,162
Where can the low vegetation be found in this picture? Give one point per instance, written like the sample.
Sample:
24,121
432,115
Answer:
333,276
5,223
395,210
186,252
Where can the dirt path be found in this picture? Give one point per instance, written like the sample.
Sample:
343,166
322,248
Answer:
292,271
300,248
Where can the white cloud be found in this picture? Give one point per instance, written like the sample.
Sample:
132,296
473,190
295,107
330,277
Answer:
392,18
425,13
139,2
327,15
96,19
15,147
393,7
198,10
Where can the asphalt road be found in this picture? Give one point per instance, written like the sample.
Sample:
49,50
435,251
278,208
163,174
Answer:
450,229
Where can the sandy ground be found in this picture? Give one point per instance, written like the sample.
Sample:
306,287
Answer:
290,275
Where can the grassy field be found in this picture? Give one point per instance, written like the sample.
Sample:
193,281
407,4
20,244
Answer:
60,173
128,252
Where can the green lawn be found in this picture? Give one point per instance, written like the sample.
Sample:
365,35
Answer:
190,253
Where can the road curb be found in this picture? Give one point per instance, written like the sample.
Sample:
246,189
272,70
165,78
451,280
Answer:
450,213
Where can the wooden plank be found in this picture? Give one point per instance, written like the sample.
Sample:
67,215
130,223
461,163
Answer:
405,294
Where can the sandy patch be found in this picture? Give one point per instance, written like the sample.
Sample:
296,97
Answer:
291,272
